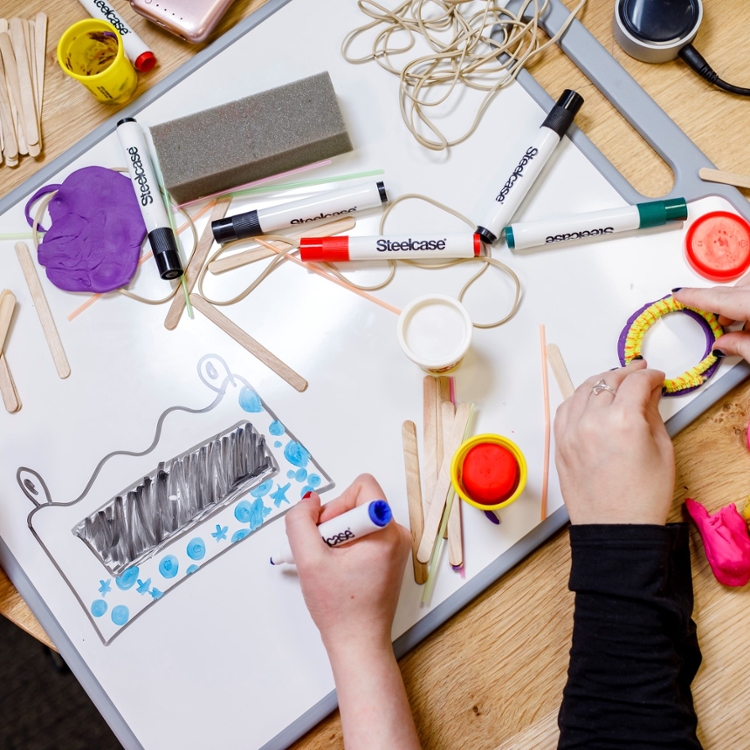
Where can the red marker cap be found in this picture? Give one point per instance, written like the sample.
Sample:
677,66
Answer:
323,249
717,246
145,61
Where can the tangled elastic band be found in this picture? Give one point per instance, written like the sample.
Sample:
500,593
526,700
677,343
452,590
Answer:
631,340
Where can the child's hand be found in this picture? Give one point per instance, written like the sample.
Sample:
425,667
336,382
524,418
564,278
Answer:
351,591
614,456
731,303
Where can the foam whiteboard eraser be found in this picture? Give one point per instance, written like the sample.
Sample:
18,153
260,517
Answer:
261,135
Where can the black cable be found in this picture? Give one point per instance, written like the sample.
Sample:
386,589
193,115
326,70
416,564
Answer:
697,62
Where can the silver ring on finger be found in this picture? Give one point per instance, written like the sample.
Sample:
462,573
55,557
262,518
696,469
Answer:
600,386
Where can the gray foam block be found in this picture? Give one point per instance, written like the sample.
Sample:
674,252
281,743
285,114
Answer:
248,139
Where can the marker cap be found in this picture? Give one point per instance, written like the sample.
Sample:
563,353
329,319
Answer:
486,235
717,246
563,113
657,213
324,249
145,61
166,254
236,227
380,512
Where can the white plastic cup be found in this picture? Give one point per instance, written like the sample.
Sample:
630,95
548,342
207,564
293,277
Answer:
435,332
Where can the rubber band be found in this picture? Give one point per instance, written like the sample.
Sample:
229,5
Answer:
631,339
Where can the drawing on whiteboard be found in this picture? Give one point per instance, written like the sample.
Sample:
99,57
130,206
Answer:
122,550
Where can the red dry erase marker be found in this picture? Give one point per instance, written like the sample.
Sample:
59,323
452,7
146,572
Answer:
392,247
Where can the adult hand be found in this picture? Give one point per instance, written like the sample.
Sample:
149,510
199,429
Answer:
351,591
614,456
731,303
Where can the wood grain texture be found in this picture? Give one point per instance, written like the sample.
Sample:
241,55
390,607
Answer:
8,391
245,340
560,371
414,496
492,677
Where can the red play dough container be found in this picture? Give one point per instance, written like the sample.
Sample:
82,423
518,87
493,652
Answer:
717,246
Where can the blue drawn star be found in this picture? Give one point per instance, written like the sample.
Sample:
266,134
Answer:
220,533
106,587
280,495
155,593
144,586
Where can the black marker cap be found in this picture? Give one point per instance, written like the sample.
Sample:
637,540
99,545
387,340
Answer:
562,114
383,194
236,227
486,235
125,119
166,254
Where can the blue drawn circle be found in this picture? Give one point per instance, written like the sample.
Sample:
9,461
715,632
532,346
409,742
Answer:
314,480
243,512
301,475
296,454
291,474
250,400
305,490
196,549
276,428
127,579
262,489
169,566
241,534
120,614
192,569
277,443
98,608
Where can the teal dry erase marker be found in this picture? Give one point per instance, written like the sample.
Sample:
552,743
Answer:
596,224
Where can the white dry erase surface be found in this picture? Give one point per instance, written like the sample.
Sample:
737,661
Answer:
216,648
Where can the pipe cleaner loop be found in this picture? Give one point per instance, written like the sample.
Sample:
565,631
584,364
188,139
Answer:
632,336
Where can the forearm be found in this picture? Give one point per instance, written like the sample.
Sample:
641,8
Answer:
375,712
634,651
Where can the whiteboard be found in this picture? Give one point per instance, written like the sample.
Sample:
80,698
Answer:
228,656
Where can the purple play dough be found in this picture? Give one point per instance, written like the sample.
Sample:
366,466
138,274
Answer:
94,241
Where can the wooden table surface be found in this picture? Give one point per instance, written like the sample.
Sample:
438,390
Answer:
492,677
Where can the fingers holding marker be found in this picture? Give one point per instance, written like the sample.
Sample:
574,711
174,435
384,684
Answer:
302,529
362,490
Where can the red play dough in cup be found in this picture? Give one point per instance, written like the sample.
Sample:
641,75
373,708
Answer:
718,246
489,473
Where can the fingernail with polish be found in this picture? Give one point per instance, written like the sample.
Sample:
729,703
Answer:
638,356
306,495
676,289
718,353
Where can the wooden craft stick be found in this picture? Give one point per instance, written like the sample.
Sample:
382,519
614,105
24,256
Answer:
414,496
446,414
545,394
259,253
8,390
248,342
10,144
42,309
7,306
192,272
14,90
560,371
455,534
725,178
3,25
437,503
40,52
432,458
24,78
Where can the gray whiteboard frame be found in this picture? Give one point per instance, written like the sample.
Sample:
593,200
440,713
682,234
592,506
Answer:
638,108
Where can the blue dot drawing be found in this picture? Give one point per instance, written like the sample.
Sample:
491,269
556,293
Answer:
279,496
252,513
127,579
169,566
220,533
262,489
156,594
105,587
241,534
277,443
143,586
120,614
192,569
290,474
277,428
305,490
196,549
301,475
296,454
98,608
314,480
250,400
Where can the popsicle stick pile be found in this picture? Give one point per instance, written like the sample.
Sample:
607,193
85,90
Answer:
23,46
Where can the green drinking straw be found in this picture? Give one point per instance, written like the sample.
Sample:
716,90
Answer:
18,236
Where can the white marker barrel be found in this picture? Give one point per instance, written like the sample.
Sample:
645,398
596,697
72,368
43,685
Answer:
161,237
355,523
595,224
529,166
136,50
391,247
325,205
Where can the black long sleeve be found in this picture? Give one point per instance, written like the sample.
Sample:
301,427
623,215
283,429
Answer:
635,650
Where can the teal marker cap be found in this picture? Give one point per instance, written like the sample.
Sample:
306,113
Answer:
509,239
656,213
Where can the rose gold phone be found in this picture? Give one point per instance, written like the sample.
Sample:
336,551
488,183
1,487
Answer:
191,20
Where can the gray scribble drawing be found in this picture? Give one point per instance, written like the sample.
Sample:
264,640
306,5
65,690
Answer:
176,496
